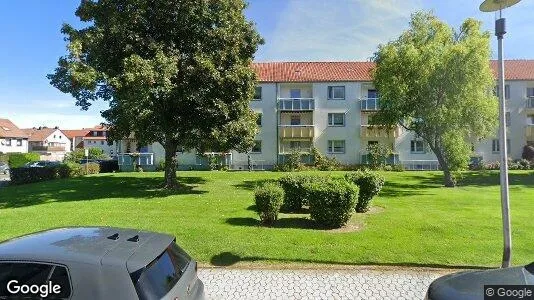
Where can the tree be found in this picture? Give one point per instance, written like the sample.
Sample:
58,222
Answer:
436,82
177,72
378,155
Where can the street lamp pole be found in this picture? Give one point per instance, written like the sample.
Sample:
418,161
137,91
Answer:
500,30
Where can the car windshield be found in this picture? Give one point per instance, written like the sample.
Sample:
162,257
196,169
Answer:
160,276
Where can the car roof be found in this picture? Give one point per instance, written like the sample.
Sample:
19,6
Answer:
91,245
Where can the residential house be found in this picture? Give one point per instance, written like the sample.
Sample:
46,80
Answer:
51,143
76,137
94,137
327,105
12,139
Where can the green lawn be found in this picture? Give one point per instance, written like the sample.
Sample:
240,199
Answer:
417,222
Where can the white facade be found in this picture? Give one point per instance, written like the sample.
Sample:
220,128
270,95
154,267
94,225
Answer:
13,145
53,147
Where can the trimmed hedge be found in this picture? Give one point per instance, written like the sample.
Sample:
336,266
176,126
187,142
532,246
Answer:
17,160
295,194
331,202
370,184
269,199
67,170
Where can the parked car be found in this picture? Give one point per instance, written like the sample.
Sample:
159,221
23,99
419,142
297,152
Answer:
98,263
41,164
4,168
470,284
90,160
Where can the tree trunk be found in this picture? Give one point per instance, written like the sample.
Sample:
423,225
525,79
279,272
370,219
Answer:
448,179
170,165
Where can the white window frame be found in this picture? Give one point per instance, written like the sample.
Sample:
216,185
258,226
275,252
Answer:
255,143
8,142
496,147
531,94
259,120
331,92
332,146
261,93
414,148
331,118
19,142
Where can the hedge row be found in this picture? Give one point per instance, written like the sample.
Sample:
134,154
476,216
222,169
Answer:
68,170
17,160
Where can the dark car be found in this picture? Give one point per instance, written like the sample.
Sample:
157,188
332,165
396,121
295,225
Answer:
4,168
97,263
42,164
470,284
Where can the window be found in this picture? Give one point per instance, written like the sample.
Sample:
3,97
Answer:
258,119
161,275
336,146
294,93
417,146
508,120
495,146
506,91
19,142
257,147
8,142
336,119
336,93
34,274
295,120
257,93
530,119
372,94
530,92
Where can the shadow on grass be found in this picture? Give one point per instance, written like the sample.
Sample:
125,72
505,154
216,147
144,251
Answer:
489,178
225,259
296,222
93,188
252,184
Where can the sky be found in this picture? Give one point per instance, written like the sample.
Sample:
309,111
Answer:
294,30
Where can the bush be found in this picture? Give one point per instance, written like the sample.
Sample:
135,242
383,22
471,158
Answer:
492,165
108,166
295,194
90,168
17,160
528,153
28,175
269,199
331,202
370,184
378,155
324,163
292,163
161,166
69,170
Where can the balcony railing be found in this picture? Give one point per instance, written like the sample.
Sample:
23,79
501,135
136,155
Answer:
48,148
420,165
296,104
530,103
296,131
369,104
142,159
376,131
530,131
392,159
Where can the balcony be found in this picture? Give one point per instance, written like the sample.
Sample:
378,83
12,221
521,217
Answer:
48,148
530,104
296,131
376,131
296,104
530,131
369,104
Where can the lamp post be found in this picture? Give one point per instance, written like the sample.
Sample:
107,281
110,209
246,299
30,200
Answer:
500,30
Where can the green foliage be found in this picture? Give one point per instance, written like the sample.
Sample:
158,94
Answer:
295,194
97,153
17,160
178,73
331,201
292,163
269,199
437,82
109,166
323,163
70,170
29,175
161,166
378,155
79,154
4,157
91,168
370,184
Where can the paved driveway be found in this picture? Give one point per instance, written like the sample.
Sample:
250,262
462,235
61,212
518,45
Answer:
225,283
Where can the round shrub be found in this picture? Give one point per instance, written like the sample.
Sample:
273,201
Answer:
370,184
331,202
295,194
269,199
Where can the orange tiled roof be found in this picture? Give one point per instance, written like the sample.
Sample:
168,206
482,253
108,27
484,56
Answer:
10,130
38,135
75,133
357,71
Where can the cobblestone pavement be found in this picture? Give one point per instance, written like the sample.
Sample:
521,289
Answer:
221,283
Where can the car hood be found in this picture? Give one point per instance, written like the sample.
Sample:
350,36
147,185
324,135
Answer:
470,284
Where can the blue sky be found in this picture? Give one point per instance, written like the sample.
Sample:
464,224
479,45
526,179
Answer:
294,30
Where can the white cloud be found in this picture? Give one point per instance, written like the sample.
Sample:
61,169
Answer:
63,121
336,30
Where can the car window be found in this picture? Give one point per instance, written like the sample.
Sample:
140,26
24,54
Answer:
33,274
159,277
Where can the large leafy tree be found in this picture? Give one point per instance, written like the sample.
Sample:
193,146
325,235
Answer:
173,71
436,82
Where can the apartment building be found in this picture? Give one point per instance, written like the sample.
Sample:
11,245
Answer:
327,105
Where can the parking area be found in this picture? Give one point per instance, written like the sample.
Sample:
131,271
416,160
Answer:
222,283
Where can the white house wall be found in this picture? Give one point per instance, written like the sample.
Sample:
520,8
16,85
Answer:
13,148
